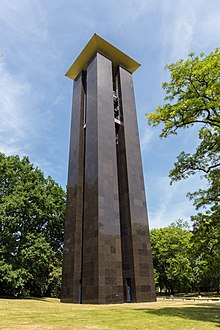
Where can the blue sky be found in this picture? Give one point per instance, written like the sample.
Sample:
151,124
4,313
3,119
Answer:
39,39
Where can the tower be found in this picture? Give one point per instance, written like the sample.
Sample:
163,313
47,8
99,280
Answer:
107,254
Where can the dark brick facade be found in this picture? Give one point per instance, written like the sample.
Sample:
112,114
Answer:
107,254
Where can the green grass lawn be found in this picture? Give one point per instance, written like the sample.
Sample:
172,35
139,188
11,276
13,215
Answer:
51,314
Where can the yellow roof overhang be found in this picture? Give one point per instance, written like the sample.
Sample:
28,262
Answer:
97,44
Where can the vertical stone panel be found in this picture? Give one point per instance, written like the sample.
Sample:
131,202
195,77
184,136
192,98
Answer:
90,233
102,263
135,232
125,221
74,208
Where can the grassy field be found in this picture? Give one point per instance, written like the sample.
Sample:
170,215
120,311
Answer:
51,314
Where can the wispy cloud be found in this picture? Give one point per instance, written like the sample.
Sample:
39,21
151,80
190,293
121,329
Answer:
171,202
28,88
146,138
178,28
15,123
188,26
133,9
26,20
24,126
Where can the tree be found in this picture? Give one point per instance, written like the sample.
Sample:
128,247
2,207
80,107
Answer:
187,260
206,242
171,250
31,228
193,99
193,96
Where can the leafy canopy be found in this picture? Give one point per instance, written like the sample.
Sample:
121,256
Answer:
193,99
31,229
187,260
193,95
171,251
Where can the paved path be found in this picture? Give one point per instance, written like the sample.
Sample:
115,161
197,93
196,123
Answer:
189,298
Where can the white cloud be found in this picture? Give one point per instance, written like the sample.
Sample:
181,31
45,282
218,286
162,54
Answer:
188,26
15,124
133,9
177,28
25,19
24,125
171,202
146,138
27,78
24,38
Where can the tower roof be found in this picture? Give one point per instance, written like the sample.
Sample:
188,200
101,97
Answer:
98,44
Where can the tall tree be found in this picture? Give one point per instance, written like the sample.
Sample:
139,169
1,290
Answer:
193,96
31,228
193,99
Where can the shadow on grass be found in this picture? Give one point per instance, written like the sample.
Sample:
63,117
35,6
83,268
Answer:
36,298
44,299
205,312
26,298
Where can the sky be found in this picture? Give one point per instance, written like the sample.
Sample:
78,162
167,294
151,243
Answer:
40,39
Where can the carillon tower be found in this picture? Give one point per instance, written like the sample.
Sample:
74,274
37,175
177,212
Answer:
107,253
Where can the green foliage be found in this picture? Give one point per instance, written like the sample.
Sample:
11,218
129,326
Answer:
171,249
31,228
54,280
206,235
193,99
193,94
13,281
187,260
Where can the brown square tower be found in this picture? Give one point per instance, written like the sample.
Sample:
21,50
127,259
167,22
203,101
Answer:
107,253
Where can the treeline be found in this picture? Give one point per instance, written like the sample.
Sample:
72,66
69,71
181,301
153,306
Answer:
32,211
31,230
186,260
